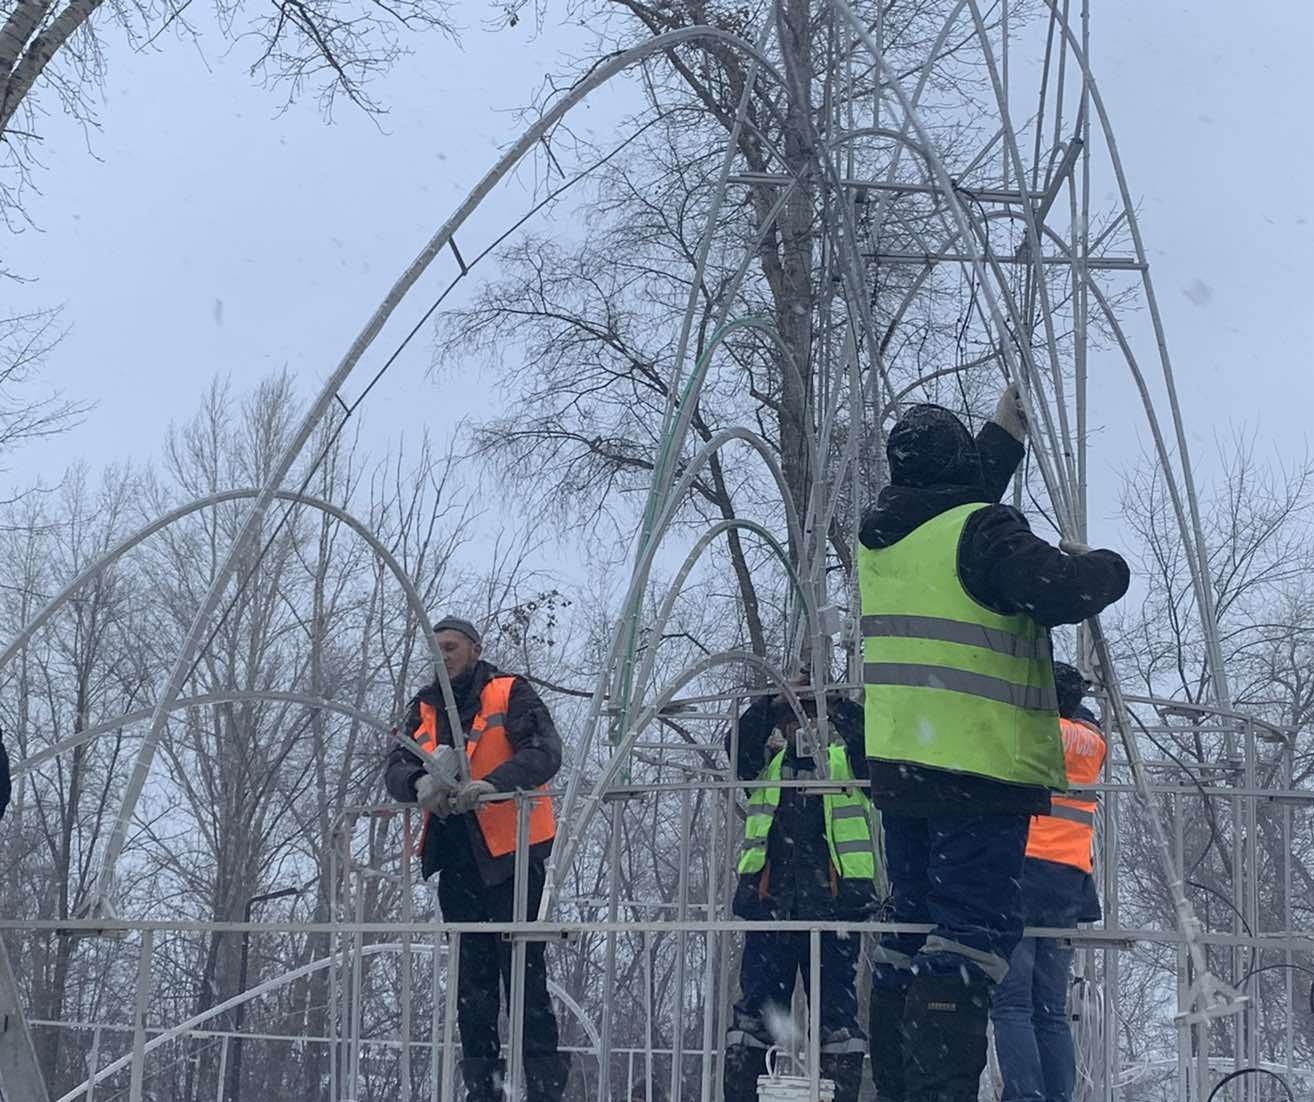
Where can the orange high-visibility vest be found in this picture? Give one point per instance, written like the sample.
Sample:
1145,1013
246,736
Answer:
1066,835
488,747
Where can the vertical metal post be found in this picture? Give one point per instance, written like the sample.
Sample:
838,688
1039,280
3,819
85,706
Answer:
648,998
357,995
609,968
726,822
333,974
814,1011
1287,775
1251,1009
1236,956
682,945
1187,1033
711,944
407,962
1112,961
139,1016
437,1058
1184,1070
222,1080
519,951
93,1063
449,1015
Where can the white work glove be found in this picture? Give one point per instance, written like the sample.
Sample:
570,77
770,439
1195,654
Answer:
1010,415
466,798
1074,547
434,796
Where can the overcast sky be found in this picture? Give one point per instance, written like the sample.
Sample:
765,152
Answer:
211,233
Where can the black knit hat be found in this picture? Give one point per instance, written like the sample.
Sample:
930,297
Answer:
930,446
455,623
1070,686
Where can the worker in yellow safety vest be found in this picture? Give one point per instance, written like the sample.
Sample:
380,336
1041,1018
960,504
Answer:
958,596
807,854
1029,1009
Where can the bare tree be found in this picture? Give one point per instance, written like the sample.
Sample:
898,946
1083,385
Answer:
83,669
1257,515
584,334
26,339
52,51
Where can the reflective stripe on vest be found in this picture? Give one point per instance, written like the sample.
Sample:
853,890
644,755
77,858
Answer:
846,814
1067,834
487,746
949,683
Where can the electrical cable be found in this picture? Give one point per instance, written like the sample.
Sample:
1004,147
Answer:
1292,967
1250,1071
349,410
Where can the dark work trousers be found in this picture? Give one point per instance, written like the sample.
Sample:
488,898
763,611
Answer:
772,960
959,873
485,957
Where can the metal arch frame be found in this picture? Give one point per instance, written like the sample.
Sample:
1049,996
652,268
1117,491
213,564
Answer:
1209,997
980,260
574,829
563,853
160,711
277,983
1197,547
90,734
314,415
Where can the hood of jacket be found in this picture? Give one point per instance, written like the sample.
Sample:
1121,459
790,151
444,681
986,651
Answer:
930,447
900,510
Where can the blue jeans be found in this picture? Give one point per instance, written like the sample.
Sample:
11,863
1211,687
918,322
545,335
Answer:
959,873
1033,1037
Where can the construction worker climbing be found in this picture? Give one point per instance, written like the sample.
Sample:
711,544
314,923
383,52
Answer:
512,745
806,855
962,729
1029,1010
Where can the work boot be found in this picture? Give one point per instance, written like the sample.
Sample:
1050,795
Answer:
886,1045
545,1077
743,1064
944,1037
844,1069
483,1079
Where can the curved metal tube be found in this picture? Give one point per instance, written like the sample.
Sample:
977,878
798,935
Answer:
674,590
164,706
1197,548
564,852
357,349
639,580
281,981
32,761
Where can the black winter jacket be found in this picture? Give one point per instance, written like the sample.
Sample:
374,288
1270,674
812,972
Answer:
798,868
1009,570
5,786
536,757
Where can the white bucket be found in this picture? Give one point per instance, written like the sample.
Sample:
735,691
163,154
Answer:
793,1088
774,1087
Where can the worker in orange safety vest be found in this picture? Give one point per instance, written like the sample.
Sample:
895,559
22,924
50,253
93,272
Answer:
470,842
1029,1009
